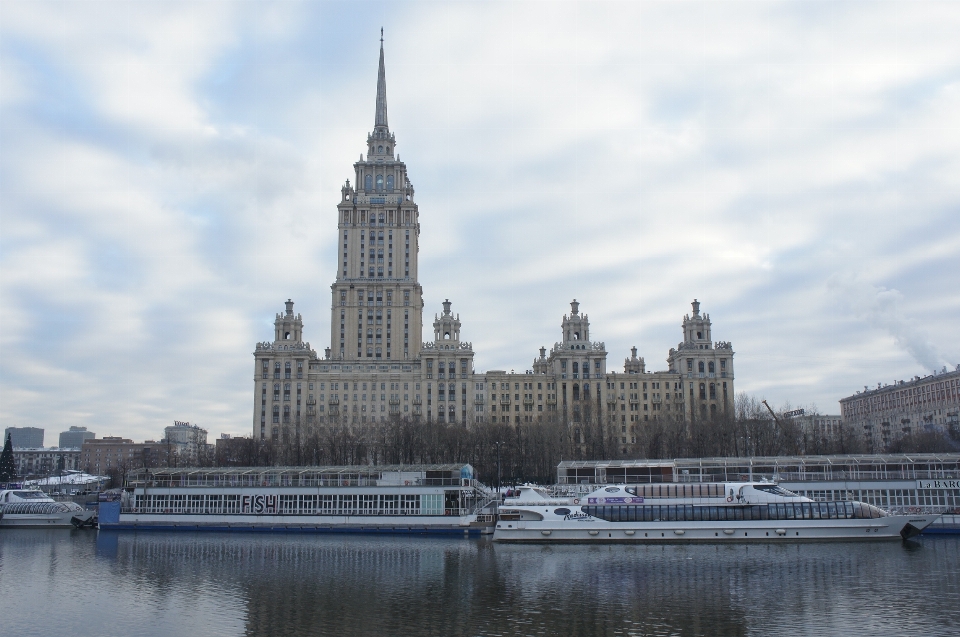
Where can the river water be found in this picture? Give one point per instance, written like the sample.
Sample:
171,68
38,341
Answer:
77,583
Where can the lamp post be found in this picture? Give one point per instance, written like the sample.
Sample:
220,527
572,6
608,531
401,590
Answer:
498,443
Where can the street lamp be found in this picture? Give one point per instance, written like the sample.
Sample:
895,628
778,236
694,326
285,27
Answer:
498,443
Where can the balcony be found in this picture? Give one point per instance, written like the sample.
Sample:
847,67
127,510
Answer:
311,401
394,401
505,401
528,401
417,401
334,400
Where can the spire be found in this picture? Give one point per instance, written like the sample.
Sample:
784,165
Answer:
381,120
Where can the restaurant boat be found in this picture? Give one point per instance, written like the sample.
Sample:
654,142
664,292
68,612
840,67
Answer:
421,499
705,512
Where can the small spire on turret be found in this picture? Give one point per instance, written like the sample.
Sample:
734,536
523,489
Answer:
574,307
696,307
289,305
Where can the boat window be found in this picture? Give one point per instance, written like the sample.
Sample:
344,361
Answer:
612,489
631,490
30,495
775,489
561,511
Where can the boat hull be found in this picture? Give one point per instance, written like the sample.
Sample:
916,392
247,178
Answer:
65,519
422,525
600,531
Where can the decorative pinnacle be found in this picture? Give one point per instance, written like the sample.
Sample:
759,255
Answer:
381,118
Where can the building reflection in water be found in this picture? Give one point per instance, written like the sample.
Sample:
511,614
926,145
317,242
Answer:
362,585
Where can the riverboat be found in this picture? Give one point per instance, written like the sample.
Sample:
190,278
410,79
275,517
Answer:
903,484
33,508
422,499
702,512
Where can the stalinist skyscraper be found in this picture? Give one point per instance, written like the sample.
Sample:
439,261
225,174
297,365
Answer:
378,368
377,300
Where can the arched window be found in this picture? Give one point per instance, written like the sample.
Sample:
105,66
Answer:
379,183
368,182
576,391
389,182
700,365
711,367
703,391
276,413
713,391
379,149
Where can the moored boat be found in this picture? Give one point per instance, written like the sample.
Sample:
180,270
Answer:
431,499
34,508
707,512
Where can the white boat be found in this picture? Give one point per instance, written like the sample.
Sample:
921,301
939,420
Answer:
34,508
704,512
425,499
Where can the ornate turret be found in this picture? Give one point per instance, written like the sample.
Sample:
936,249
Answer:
634,364
446,327
287,326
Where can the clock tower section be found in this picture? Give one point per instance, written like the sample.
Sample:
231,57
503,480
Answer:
377,309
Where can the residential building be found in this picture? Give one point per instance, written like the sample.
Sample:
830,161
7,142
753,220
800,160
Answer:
187,442
41,462
114,454
888,412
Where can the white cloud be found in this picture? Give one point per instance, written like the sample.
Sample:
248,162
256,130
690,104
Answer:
171,172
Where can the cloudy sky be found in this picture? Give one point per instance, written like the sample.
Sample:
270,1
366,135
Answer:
169,174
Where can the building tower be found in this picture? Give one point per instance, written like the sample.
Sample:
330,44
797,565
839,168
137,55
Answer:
279,369
377,308
706,366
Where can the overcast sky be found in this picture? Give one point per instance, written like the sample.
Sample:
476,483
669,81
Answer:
169,174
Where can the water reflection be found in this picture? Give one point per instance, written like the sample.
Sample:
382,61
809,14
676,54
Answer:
158,583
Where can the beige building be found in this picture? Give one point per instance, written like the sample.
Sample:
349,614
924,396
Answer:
45,461
115,454
378,367
884,414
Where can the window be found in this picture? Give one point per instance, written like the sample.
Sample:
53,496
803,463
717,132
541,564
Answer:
389,182
368,182
710,367
700,367
703,391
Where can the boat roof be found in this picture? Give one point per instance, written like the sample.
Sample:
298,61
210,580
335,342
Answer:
862,466
366,470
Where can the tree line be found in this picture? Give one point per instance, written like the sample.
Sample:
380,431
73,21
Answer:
531,451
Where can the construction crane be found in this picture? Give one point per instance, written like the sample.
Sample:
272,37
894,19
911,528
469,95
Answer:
783,429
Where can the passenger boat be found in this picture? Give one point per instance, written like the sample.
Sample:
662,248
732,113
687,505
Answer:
444,499
924,483
705,512
34,508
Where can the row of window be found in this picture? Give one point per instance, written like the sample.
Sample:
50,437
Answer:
735,513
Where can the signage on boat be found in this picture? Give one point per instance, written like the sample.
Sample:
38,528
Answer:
259,503
938,484
618,500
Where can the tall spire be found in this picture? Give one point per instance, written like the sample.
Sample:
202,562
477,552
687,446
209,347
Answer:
381,120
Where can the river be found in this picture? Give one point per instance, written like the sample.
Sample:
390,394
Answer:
78,583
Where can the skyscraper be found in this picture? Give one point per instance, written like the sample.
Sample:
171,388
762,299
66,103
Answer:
377,367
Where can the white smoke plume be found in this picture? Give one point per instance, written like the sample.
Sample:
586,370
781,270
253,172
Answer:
883,308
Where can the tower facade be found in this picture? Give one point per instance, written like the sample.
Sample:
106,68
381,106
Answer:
377,307
378,368
707,367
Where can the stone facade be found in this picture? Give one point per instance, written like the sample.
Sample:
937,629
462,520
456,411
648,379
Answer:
378,368
45,461
889,412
